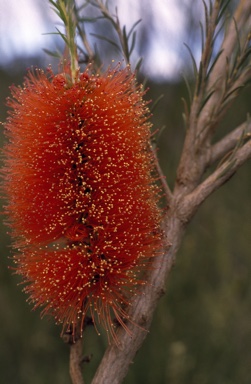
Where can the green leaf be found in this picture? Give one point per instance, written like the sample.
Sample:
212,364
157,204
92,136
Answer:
125,44
202,37
186,113
219,30
222,10
204,101
64,37
210,7
243,58
214,62
236,89
133,27
53,53
138,64
206,16
156,102
90,19
238,40
193,60
188,88
101,37
160,131
132,43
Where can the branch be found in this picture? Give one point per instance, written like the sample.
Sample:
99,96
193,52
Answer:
228,143
165,186
76,362
74,340
222,174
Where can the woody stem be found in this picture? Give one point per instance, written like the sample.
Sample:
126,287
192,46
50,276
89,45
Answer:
76,362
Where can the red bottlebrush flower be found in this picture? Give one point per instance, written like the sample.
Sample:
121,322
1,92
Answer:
82,203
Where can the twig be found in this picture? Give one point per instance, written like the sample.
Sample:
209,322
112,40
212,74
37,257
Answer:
76,359
165,186
74,339
222,174
228,143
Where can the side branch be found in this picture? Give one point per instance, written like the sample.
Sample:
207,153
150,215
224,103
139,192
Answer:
76,362
165,186
222,174
229,142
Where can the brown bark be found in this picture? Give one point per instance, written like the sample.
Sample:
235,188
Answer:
76,362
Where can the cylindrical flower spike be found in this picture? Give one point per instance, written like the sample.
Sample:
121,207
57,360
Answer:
82,203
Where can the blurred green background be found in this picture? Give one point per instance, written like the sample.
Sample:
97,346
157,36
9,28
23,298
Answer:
201,332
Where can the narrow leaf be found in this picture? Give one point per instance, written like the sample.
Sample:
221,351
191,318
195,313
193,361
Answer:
193,60
188,88
186,113
133,27
138,64
222,10
52,53
125,43
214,62
132,43
206,16
64,37
236,89
156,102
90,19
216,35
204,101
101,37
243,58
202,37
